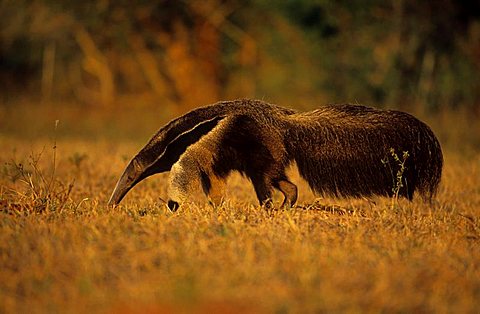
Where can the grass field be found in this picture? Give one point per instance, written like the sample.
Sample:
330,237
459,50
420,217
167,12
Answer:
62,250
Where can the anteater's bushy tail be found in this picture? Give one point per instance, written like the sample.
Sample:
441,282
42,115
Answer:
359,151
430,172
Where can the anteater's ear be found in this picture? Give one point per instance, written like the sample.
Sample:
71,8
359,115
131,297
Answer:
179,145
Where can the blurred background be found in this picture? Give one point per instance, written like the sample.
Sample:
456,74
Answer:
113,58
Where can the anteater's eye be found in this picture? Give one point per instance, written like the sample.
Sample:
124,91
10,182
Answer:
136,165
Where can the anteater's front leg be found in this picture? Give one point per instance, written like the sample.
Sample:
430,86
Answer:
263,188
289,191
213,187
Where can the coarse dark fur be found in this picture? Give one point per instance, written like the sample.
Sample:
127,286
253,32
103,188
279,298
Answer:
353,148
340,150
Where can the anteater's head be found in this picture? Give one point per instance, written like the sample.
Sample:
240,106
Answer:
159,155
181,180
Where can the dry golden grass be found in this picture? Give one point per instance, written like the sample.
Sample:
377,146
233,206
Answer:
63,250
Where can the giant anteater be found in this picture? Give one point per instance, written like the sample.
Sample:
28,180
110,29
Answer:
340,150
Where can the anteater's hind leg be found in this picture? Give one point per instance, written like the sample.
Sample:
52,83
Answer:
289,191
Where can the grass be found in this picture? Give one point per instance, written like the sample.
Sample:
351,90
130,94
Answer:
63,250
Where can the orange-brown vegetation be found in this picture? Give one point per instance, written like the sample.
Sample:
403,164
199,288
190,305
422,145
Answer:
63,250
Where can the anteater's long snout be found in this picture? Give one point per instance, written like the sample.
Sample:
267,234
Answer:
129,178
118,193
